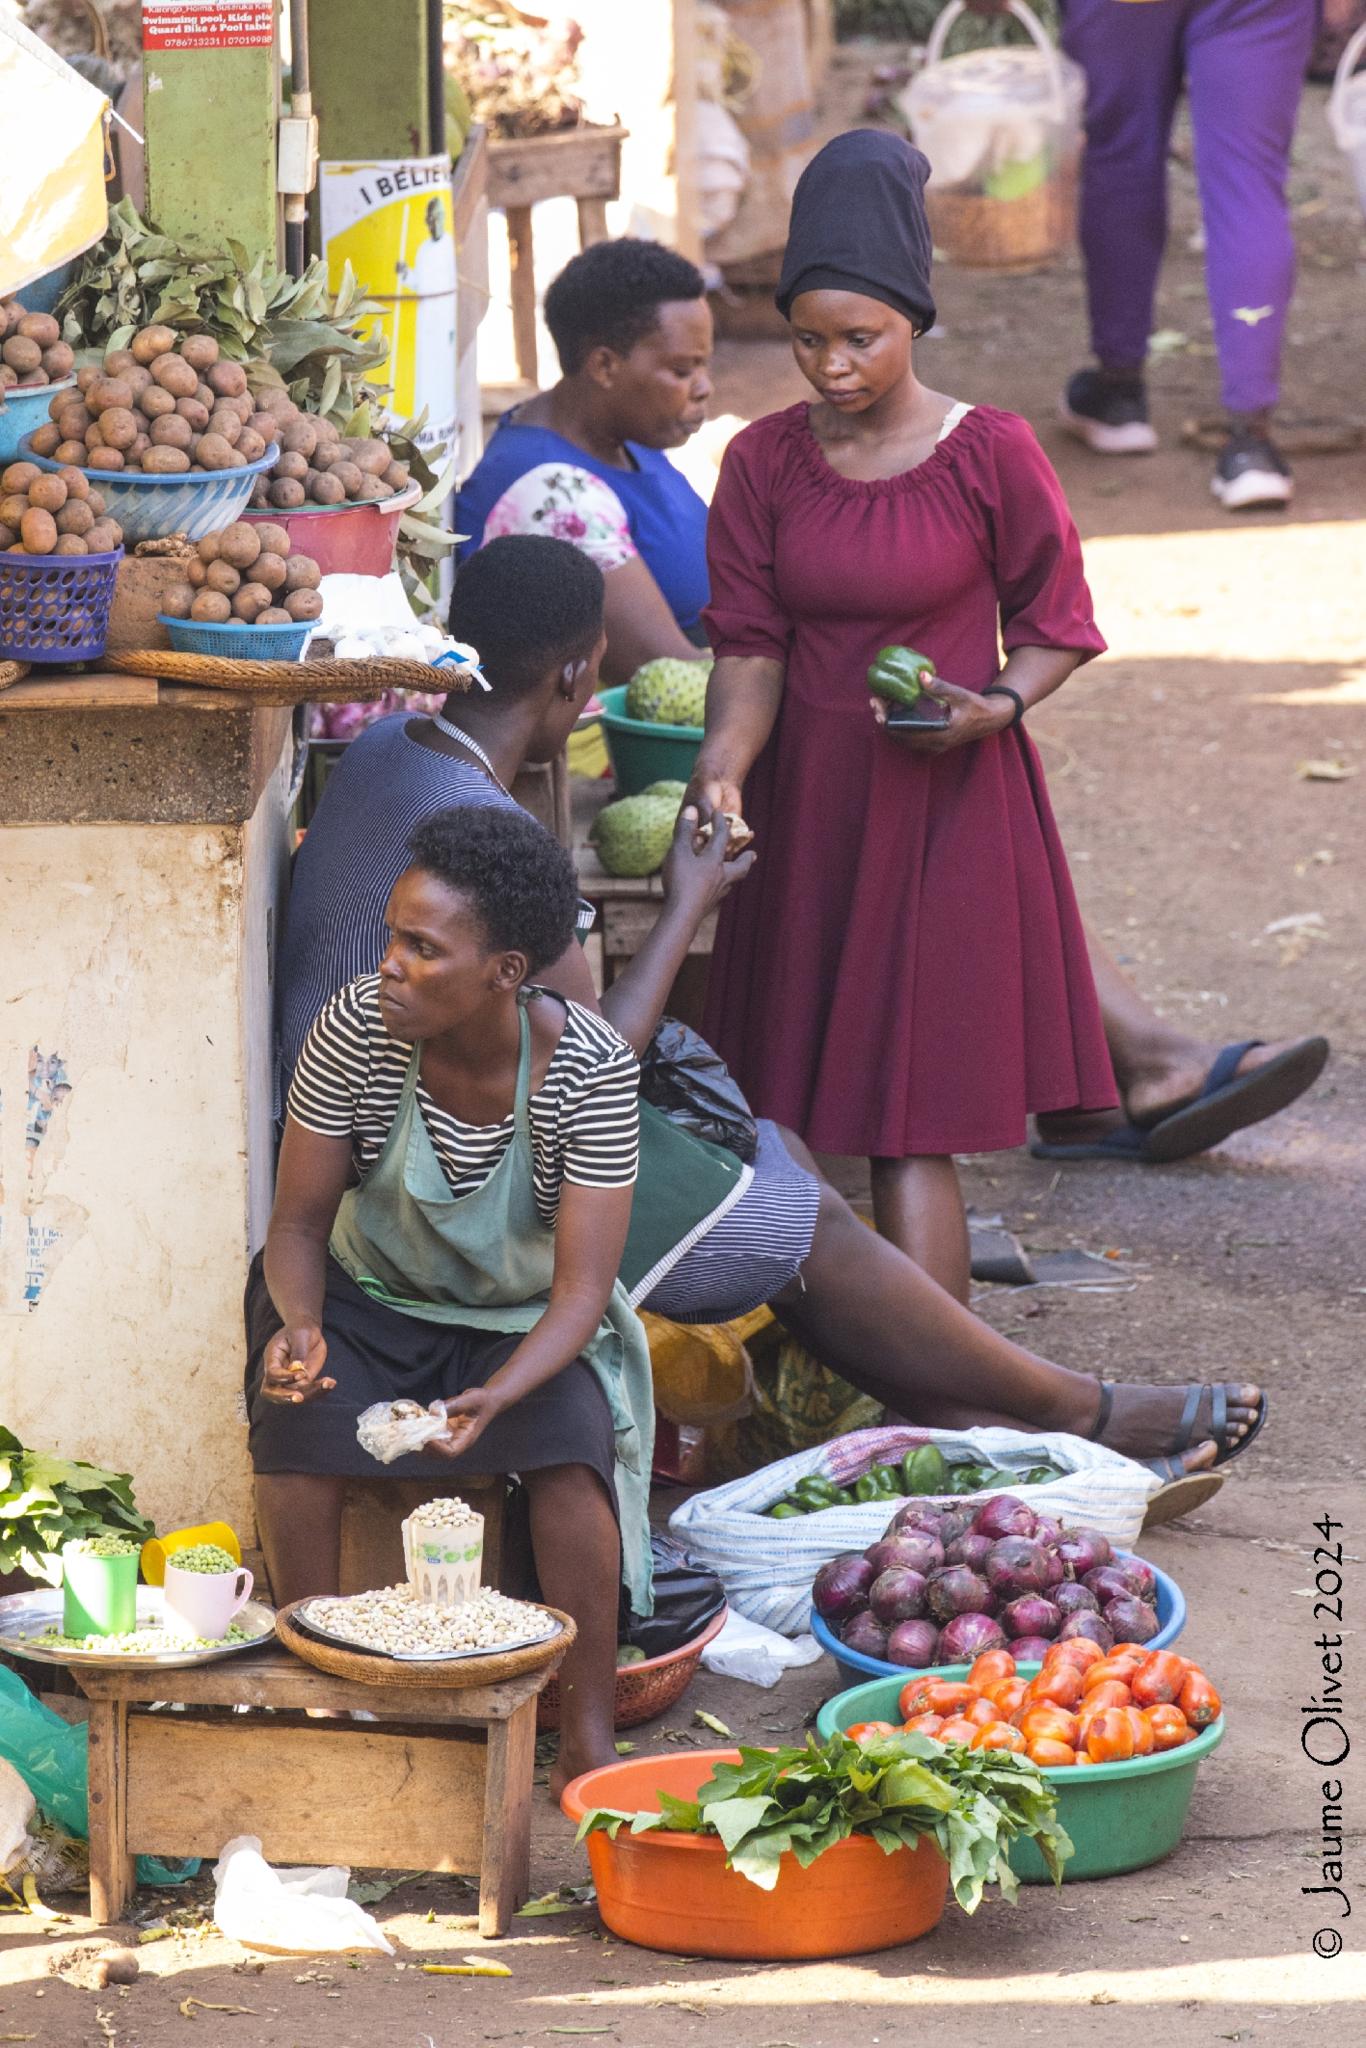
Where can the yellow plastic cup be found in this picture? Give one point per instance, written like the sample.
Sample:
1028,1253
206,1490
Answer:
157,1549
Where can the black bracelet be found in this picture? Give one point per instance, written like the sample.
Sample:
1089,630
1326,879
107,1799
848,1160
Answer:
1004,690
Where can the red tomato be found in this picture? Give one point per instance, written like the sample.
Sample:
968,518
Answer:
1110,1739
927,1724
1145,1740
1049,1724
866,1731
1199,1702
988,1669
1113,1666
1110,1694
956,1729
934,1696
1049,1754
981,1713
1060,1687
1158,1679
1169,1725
1008,1696
999,1735
1078,1650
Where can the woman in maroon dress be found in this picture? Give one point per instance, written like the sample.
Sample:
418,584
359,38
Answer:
905,974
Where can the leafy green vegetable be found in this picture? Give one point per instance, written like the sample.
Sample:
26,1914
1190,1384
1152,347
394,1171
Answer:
46,1501
897,1789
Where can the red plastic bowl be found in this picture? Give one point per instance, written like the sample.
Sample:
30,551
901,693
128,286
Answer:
674,1892
345,540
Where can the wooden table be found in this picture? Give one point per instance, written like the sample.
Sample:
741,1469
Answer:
628,906
582,164
440,1781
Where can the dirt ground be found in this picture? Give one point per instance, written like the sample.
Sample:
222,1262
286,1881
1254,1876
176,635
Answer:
1238,654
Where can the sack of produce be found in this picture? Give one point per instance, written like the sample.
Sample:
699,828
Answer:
767,1562
1002,129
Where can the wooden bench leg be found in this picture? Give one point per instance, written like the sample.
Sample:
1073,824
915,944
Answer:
592,222
505,1867
523,291
111,1867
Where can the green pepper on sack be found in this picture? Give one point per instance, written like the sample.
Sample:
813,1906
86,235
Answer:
925,1470
784,1510
888,1480
866,1488
900,675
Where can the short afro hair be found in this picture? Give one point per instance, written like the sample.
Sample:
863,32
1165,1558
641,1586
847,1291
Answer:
610,295
528,604
516,875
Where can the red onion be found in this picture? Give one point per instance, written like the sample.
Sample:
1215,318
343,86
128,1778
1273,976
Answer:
917,1514
1107,1582
1004,1515
897,1595
970,1549
966,1636
865,1635
1030,1615
1057,1570
1015,1566
955,1590
841,1587
1139,1577
1089,1625
1084,1550
911,1549
953,1523
1133,1621
913,1643
1048,1531
1030,1649
1073,1598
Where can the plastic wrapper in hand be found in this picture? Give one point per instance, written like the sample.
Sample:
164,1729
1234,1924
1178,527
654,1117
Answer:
692,1085
289,1912
394,1429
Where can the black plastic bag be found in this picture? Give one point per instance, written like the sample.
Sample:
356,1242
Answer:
686,1599
692,1085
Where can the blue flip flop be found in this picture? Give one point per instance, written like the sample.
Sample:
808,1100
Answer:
1228,1102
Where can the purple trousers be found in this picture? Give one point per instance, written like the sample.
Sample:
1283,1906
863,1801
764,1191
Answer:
1243,64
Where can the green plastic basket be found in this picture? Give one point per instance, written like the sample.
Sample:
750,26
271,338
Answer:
1120,1816
641,753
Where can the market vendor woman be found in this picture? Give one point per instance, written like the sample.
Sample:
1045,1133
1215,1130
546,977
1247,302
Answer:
452,1202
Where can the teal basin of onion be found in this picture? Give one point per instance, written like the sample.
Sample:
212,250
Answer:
1120,1816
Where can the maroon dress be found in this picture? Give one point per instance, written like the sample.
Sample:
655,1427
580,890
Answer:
905,971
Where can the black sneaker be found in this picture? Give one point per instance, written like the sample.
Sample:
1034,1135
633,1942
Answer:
1110,416
1251,474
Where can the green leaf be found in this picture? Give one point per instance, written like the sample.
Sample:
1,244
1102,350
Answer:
733,1819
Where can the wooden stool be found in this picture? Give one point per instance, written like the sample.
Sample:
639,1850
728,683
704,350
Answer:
441,1780
372,1532
583,164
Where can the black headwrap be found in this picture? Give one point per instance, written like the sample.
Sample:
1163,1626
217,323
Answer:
858,225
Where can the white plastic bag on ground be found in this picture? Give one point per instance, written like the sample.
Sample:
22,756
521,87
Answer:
767,1567
745,1649
288,1912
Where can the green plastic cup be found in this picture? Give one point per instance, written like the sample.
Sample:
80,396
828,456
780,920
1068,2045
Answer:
99,1594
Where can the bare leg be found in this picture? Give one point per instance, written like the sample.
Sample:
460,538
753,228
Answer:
299,1515
1157,1066
918,1207
578,1562
871,1314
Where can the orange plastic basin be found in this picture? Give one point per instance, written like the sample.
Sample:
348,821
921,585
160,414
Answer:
674,1892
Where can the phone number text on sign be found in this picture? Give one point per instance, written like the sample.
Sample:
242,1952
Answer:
207,24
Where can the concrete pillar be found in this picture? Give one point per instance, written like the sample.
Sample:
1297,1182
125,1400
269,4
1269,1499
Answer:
142,863
209,118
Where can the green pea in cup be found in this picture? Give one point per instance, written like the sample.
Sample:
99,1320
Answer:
100,1587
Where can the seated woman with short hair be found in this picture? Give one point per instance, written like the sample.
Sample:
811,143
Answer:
452,1202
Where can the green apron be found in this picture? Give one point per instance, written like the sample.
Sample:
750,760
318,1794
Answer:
485,1261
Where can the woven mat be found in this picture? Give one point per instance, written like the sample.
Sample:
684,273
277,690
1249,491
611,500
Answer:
369,1669
12,672
288,682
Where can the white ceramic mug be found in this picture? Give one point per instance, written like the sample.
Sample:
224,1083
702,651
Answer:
205,1602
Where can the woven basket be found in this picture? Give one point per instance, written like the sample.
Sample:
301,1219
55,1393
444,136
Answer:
980,233
643,1691
56,607
12,672
288,682
368,1669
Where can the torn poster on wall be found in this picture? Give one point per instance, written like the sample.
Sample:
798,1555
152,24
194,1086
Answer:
49,1087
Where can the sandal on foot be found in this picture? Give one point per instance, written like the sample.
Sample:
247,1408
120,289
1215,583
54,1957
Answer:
1125,1141
1230,1101
1183,1493
1226,1448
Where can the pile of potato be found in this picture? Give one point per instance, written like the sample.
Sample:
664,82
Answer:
166,405
31,348
246,573
318,465
53,512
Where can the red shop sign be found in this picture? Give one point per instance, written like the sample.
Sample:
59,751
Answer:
207,24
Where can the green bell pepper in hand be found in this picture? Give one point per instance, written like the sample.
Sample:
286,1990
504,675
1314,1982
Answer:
900,675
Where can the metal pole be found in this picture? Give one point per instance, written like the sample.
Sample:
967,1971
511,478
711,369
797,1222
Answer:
301,109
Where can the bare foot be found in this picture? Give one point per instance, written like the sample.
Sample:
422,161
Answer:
1144,1420
573,1760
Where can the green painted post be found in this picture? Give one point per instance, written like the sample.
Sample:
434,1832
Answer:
370,78
210,125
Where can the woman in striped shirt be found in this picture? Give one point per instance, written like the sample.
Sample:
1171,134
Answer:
451,1208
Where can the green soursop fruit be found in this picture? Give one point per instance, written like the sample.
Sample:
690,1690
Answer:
633,835
669,691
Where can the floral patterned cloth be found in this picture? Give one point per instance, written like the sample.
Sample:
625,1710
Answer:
567,503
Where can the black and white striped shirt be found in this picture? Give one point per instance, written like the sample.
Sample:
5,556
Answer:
584,1116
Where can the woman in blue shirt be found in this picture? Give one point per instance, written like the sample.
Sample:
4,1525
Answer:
585,461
